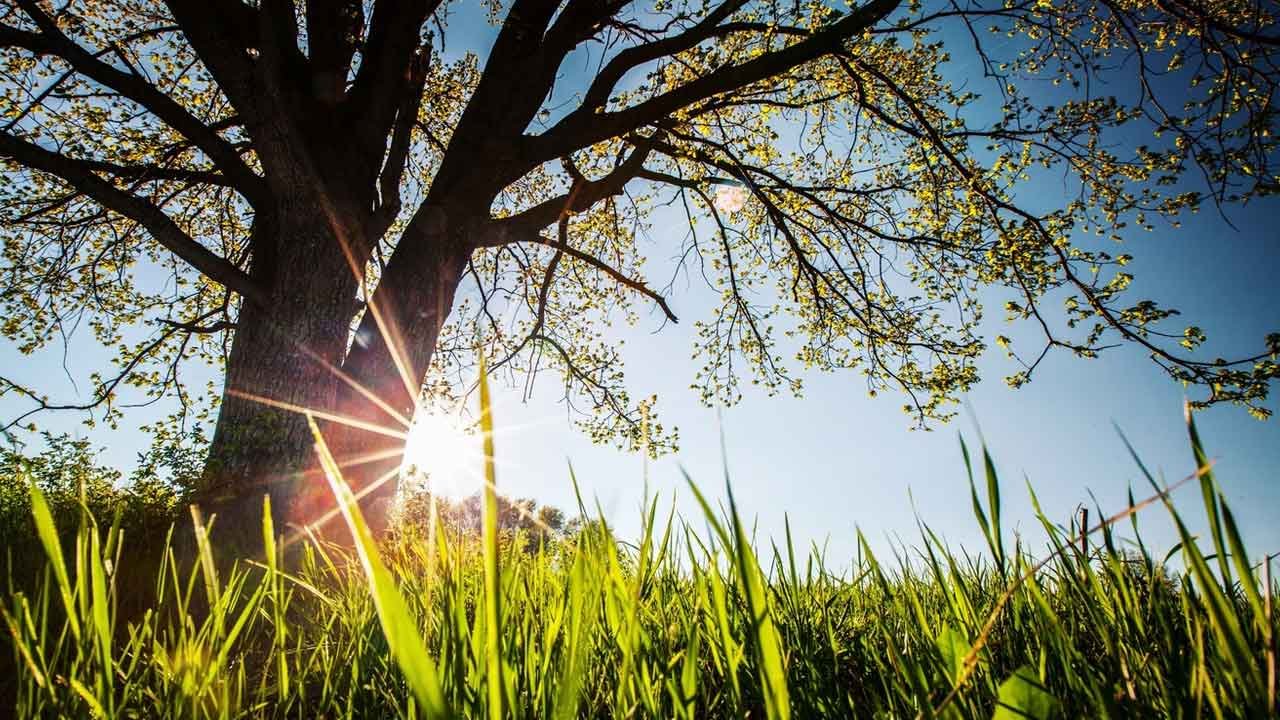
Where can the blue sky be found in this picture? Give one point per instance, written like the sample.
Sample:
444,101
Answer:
836,458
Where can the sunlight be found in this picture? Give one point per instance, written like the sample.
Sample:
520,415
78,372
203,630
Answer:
439,450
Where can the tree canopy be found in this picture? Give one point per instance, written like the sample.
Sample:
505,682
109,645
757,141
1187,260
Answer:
390,204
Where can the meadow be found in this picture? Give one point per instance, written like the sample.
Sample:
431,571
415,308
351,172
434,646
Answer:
692,619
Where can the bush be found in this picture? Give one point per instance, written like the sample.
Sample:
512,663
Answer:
522,521
67,473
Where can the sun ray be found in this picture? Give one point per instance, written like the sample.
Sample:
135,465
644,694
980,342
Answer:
328,464
386,327
391,337
354,461
465,464
364,392
475,479
478,482
331,417
371,457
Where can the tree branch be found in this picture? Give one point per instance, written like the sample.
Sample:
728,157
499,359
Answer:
222,32
639,286
581,197
52,41
402,134
584,126
598,93
379,88
161,226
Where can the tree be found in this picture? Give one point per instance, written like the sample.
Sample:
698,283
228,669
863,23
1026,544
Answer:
329,199
524,518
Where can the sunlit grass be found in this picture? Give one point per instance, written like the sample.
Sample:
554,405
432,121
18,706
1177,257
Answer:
675,623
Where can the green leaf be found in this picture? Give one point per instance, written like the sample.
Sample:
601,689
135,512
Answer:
1024,696
954,647
406,645
48,534
1207,490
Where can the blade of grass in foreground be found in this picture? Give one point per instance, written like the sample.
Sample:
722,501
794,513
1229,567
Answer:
48,533
492,574
276,583
398,625
768,643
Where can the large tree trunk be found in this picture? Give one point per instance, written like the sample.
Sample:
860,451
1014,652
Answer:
260,445
386,365
297,354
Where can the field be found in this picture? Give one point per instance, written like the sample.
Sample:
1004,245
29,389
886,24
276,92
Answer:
678,623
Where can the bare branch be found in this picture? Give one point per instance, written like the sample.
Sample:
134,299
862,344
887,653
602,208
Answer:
591,260
583,195
380,87
585,126
605,81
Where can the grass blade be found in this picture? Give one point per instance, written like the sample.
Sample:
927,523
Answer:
398,625
48,534
492,570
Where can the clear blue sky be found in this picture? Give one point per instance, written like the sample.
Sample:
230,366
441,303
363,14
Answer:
836,458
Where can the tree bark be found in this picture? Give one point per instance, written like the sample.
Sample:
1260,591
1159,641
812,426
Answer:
299,353
261,444
388,360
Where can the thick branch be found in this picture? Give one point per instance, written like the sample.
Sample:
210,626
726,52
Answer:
222,32
584,194
333,33
578,21
384,78
401,141
52,41
585,126
598,94
161,226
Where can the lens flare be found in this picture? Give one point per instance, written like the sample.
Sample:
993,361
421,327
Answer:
440,450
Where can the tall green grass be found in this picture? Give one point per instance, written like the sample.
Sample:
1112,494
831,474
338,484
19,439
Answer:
677,623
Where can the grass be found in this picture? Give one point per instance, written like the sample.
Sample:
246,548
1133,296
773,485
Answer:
681,623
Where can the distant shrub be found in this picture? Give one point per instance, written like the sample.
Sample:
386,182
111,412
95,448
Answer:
67,472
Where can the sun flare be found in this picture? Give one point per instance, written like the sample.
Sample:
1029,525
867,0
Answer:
440,450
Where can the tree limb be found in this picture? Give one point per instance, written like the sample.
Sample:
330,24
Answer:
584,126
160,225
598,93
595,262
581,197
378,91
52,41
